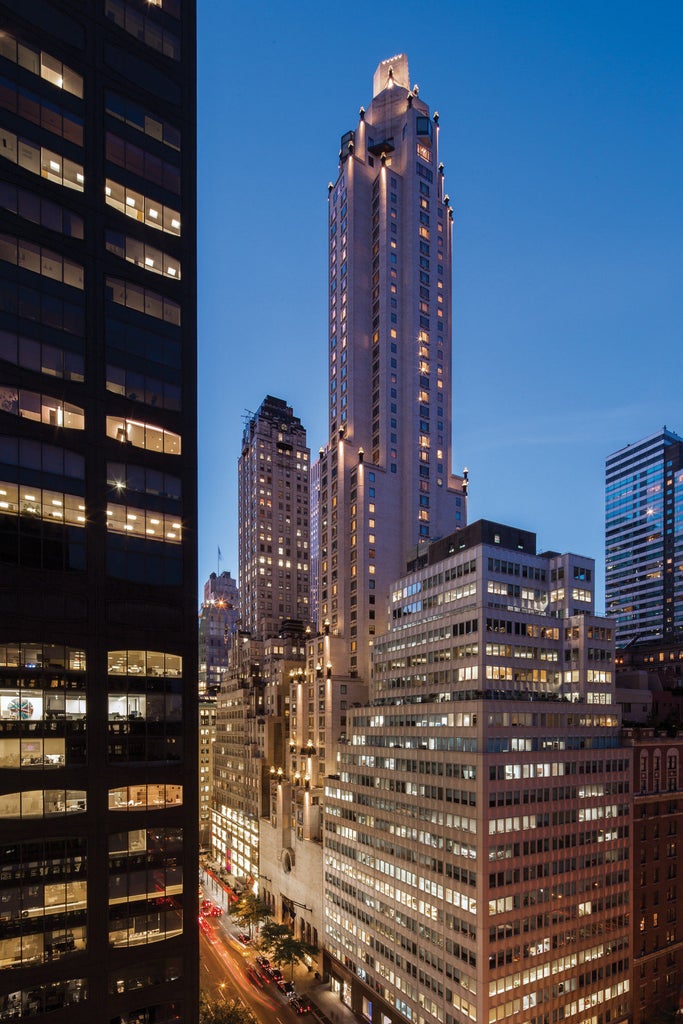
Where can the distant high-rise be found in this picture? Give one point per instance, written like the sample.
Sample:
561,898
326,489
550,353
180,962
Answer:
218,616
386,480
98,511
273,485
644,538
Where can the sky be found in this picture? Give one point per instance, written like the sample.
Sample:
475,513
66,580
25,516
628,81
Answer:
563,151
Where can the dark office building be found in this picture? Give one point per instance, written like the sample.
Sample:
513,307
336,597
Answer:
98,645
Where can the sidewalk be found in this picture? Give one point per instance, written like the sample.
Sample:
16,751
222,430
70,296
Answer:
327,1006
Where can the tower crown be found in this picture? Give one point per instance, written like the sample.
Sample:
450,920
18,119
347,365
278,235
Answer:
392,71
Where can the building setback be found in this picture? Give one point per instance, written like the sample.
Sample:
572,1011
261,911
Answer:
98,637
476,848
644,538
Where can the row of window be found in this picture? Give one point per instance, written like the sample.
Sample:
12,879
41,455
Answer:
144,27
143,300
137,117
40,260
42,408
38,111
49,505
56,506
41,161
38,210
45,458
143,523
139,387
141,208
143,435
137,160
40,63
141,480
45,409
142,255
49,311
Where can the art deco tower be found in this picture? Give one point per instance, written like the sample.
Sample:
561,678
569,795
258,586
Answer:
98,567
385,476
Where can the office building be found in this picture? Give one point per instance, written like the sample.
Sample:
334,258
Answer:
273,494
252,731
252,708
207,738
98,642
657,863
386,482
477,829
218,617
644,538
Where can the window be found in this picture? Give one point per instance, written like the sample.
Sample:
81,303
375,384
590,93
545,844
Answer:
141,522
143,300
143,435
141,208
137,117
132,250
39,260
41,161
40,63
42,408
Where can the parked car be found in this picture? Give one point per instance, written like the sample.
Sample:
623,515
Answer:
244,938
285,986
300,1004
264,966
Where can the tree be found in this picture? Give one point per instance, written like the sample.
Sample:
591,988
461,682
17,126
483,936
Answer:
279,942
223,1013
250,910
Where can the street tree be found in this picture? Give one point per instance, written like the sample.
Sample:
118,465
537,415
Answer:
250,911
235,1012
277,940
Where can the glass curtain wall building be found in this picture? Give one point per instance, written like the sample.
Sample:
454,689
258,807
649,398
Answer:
98,629
644,538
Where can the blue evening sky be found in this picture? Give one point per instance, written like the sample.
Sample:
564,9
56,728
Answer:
561,137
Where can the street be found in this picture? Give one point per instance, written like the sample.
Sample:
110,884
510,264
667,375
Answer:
222,976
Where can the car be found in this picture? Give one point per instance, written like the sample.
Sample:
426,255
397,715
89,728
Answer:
243,938
264,967
285,986
300,1004
254,977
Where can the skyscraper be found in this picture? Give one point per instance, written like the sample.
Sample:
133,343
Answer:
644,538
252,719
386,480
273,488
98,638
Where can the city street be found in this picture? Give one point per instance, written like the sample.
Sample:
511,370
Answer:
223,963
